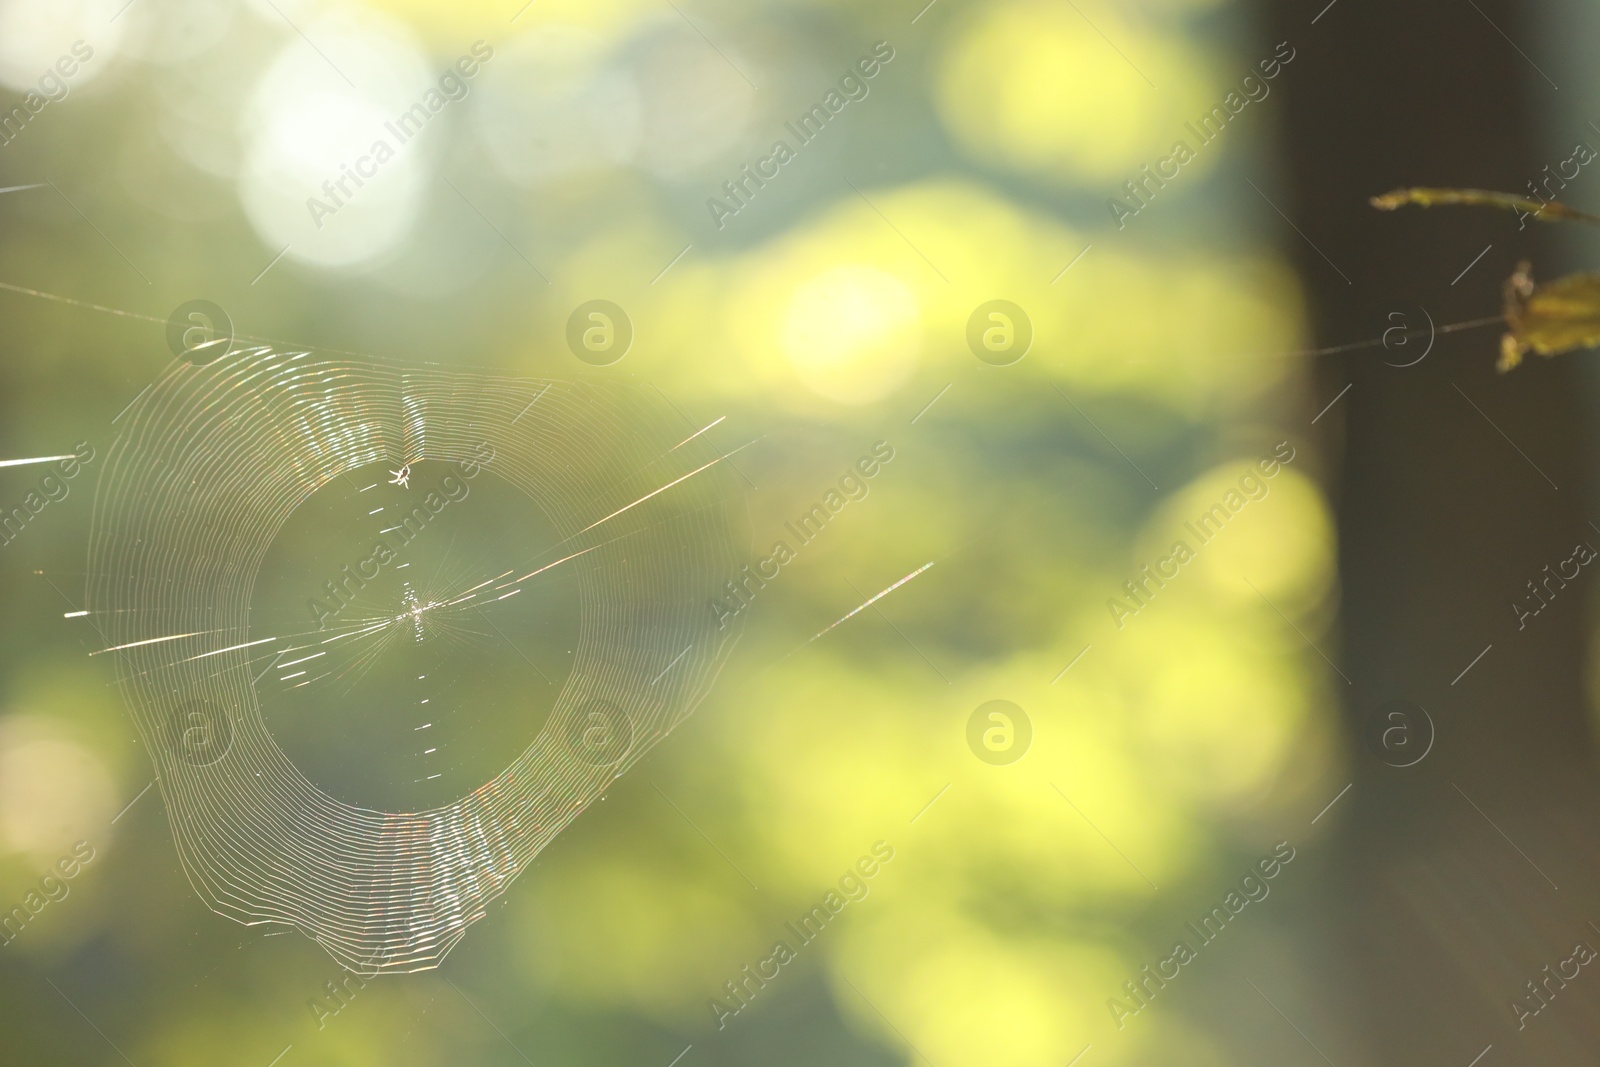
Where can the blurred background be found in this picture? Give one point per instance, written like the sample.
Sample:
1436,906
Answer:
1298,695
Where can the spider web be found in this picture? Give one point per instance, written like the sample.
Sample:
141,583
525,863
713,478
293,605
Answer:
212,463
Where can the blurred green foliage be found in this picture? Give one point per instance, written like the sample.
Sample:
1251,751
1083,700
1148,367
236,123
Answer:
821,318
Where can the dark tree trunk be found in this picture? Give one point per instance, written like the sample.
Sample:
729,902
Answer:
1441,902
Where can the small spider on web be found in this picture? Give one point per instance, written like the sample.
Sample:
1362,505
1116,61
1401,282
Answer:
402,477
